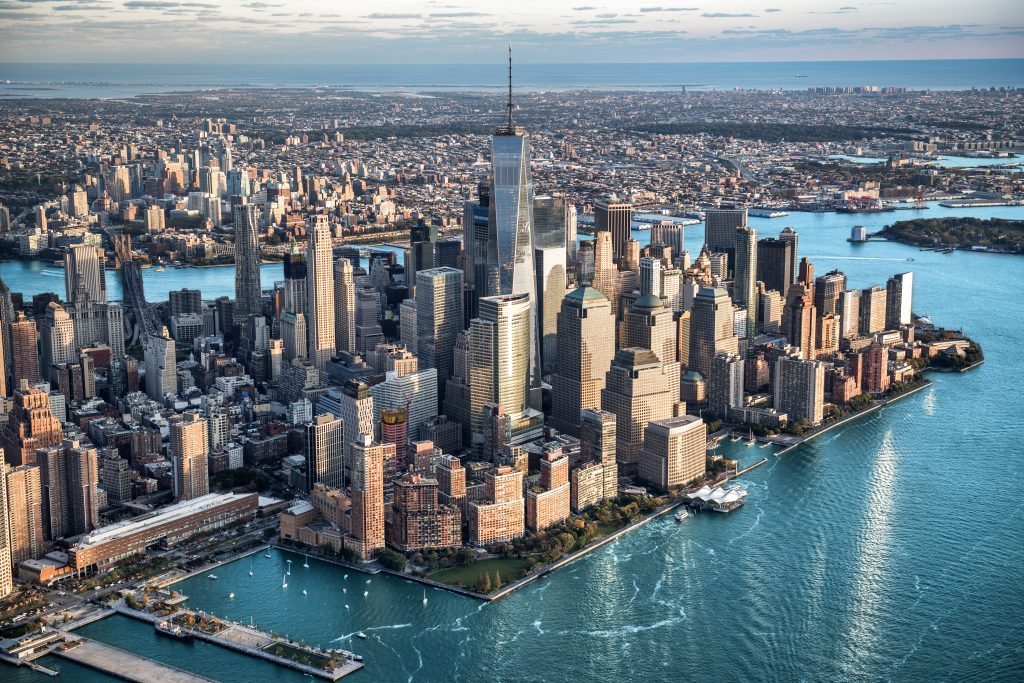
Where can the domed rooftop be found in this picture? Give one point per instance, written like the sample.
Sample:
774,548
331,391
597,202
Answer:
648,301
583,294
692,376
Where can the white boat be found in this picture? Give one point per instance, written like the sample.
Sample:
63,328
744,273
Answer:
268,554
369,580
682,515
306,563
212,576
250,572
751,441
231,596
284,581
361,635
365,593
344,590
424,596
345,577
304,592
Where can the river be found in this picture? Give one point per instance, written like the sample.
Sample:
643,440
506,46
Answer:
891,548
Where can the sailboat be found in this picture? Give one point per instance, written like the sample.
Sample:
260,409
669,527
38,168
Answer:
284,581
289,567
304,592
306,562
250,569
268,553
231,596
751,441
424,596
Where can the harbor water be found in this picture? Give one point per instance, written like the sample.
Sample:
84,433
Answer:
891,548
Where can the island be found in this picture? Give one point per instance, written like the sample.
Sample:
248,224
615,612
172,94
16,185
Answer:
996,235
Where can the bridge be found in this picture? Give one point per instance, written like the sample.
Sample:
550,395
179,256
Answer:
146,322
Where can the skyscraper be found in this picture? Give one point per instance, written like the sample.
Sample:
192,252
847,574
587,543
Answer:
849,313
438,320
356,408
726,385
325,451
776,261
799,318
84,273
649,324
320,293
510,220
189,453
368,496
615,217
711,328
551,282
639,388
744,288
720,231
827,290
82,469
898,301
499,356
586,346
295,279
247,260
790,235
344,306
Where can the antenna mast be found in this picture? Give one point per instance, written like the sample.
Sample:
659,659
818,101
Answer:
510,86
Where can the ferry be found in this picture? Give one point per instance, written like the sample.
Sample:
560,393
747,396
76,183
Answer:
158,270
166,628
682,515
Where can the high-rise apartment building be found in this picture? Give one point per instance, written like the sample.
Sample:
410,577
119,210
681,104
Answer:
872,310
82,468
501,514
24,513
418,519
828,288
247,260
356,404
586,346
899,293
24,356
597,476
320,293
800,388
848,309
726,385
674,452
161,366
185,300
6,566
189,446
547,503
776,261
325,451
367,530
790,235
57,338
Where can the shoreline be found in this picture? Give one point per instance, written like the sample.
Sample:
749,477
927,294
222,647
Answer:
874,408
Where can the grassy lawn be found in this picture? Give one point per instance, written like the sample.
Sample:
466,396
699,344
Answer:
511,570
606,528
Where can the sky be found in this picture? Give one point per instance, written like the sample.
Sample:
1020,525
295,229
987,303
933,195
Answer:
473,31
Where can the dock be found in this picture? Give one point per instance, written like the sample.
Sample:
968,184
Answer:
124,665
255,643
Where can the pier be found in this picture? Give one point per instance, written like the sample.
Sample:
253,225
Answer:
122,664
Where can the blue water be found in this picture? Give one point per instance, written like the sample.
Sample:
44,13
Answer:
889,549
944,162
126,79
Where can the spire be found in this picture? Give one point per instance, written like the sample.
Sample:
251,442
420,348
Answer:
510,85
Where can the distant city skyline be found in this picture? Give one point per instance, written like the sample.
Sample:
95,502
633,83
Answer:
305,32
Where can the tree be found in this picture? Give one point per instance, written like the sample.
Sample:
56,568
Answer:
497,579
487,583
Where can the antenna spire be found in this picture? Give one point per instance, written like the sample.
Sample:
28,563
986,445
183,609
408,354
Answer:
510,85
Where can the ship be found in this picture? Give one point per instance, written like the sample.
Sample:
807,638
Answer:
682,515
166,628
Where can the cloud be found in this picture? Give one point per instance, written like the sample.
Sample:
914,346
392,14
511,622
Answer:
726,15
392,15
583,8
84,7
773,9
261,5
589,23
155,4
456,15
609,15
669,9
